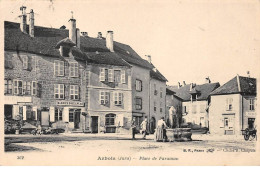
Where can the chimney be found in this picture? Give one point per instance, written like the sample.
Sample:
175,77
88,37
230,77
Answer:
84,34
248,74
23,19
78,37
149,59
208,80
191,86
109,41
99,36
31,23
72,30
184,83
179,85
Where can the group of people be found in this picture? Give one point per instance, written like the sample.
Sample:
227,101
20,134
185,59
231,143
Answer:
160,131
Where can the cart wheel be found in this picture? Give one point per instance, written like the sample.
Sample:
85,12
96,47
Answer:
247,135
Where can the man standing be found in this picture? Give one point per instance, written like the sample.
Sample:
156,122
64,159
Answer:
144,128
133,127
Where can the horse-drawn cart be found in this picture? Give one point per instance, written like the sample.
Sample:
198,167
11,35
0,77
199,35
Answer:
249,134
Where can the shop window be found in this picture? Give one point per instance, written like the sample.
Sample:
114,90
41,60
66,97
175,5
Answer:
118,98
71,115
58,114
58,68
110,119
27,88
138,85
138,103
18,87
8,86
229,102
59,91
74,70
251,104
74,92
104,97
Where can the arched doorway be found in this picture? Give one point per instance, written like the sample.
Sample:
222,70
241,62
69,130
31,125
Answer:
152,125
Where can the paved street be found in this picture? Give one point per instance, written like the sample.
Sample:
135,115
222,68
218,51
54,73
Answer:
109,149
111,142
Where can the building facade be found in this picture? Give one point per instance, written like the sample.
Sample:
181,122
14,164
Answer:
64,78
195,102
233,106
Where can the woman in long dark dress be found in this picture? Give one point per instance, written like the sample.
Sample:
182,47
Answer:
160,134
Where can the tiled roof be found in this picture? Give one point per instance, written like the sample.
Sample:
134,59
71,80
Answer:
171,92
247,86
156,74
46,39
203,90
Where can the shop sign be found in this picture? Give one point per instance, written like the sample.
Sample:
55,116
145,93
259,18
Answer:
250,113
69,103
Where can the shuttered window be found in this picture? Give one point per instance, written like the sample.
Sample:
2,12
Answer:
74,70
8,86
26,88
18,87
59,91
74,92
58,68
118,98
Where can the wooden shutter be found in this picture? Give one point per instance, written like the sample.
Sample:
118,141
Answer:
123,76
24,112
65,114
34,109
56,67
110,75
102,74
29,66
52,114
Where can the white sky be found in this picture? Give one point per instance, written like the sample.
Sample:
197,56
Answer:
188,41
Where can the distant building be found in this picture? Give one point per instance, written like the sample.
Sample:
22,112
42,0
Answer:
195,102
233,106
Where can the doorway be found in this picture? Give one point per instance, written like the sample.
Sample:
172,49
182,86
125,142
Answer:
94,124
8,111
251,123
153,122
77,119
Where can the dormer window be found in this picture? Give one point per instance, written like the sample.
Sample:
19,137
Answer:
194,97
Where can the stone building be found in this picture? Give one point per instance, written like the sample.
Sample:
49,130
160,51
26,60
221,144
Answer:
233,106
64,77
195,102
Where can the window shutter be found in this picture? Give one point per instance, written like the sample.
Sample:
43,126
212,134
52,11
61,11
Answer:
52,114
15,87
6,61
24,113
34,109
61,68
65,115
76,69
102,74
141,85
29,66
110,75
56,67
123,76
39,90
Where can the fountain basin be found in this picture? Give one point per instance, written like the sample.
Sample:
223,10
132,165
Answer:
179,134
